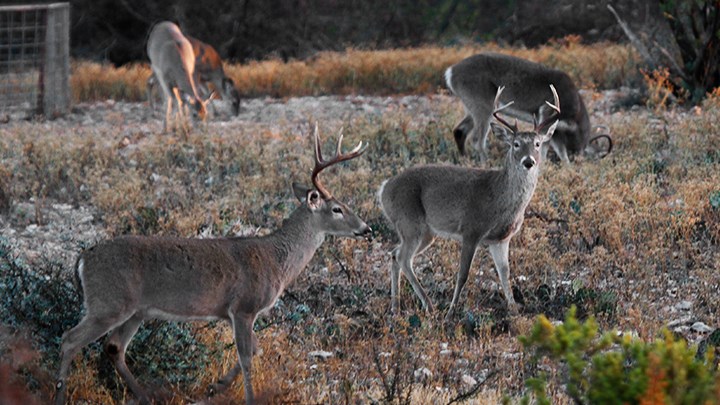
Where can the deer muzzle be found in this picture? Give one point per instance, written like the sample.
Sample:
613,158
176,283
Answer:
529,162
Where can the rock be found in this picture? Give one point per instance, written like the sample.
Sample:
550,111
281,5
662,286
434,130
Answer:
468,380
684,305
321,354
701,327
422,373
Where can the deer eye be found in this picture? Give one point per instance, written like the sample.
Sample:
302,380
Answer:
337,210
516,144
537,144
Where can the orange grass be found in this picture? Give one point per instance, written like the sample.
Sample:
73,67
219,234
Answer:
396,71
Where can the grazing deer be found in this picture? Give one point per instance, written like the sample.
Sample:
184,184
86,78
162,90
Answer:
208,69
173,64
476,79
133,278
470,204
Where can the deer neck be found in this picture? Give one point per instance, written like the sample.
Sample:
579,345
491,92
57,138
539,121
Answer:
520,182
296,242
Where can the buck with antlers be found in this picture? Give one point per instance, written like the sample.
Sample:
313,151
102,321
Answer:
476,79
133,278
470,204
208,69
173,64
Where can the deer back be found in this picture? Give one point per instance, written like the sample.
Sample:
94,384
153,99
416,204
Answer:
476,79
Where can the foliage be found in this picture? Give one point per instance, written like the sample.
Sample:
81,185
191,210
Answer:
613,368
356,71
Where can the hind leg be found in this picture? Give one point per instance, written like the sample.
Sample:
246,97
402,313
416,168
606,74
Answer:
413,237
395,280
90,328
117,345
461,132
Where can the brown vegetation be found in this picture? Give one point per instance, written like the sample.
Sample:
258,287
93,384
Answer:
625,238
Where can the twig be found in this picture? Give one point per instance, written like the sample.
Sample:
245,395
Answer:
641,48
474,390
543,217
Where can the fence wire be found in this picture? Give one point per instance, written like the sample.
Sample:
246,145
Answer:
33,57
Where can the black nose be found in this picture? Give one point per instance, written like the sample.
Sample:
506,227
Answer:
528,162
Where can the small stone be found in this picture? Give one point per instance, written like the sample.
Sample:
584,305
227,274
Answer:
684,305
701,327
468,380
320,353
422,373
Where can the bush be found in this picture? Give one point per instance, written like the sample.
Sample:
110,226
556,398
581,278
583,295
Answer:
614,369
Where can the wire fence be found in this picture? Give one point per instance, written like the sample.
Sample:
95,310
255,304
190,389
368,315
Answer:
34,59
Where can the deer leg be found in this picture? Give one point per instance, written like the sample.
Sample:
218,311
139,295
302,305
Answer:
87,331
499,254
150,85
406,252
224,382
395,280
560,150
461,131
244,342
117,345
480,132
467,253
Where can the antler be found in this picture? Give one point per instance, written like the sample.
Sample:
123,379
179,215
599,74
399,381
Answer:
498,108
553,116
321,164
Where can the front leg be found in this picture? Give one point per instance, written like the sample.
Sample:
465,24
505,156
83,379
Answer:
499,252
469,245
244,341
225,382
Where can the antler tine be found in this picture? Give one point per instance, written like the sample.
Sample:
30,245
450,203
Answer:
556,111
321,164
498,108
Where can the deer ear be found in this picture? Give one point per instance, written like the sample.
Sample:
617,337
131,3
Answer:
550,131
501,133
314,200
300,191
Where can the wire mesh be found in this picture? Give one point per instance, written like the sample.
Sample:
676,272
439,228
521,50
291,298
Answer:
33,42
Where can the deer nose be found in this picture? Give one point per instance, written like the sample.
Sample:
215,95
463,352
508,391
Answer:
528,162
364,231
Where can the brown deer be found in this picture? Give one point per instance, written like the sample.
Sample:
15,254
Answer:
208,69
470,204
476,80
134,278
173,63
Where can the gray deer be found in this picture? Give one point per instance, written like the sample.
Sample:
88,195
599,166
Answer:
469,204
476,80
134,278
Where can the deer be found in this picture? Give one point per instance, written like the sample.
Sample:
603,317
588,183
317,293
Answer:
475,81
208,69
173,63
473,205
130,279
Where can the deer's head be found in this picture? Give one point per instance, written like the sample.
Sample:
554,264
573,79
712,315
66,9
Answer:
526,147
330,215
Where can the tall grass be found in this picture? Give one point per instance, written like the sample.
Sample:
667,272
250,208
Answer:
355,71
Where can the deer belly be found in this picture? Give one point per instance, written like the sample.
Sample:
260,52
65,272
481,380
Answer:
504,232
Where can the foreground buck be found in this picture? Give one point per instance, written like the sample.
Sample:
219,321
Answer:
208,69
133,278
473,205
476,79
173,63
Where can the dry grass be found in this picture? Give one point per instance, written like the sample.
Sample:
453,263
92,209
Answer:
625,238
399,71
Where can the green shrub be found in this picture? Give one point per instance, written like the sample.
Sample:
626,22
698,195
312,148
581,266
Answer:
613,369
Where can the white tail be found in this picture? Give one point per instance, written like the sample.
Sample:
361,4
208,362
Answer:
473,205
133,278
476,79
208,69
173,64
